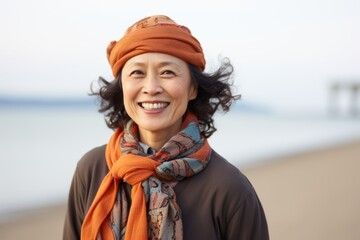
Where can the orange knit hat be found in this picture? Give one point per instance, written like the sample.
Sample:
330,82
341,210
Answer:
155,34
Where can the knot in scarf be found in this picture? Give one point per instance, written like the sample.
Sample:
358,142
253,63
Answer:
154,213
133,169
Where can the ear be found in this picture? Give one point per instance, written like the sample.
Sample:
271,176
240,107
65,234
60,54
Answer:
193,92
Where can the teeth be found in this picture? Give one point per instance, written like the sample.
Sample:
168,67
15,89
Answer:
153,106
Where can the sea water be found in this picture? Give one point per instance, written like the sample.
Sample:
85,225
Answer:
39,147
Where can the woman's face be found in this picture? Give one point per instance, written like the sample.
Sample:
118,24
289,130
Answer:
157,88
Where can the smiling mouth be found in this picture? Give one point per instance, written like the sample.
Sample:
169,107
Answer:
153,106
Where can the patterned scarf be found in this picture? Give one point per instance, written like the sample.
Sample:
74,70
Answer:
154,213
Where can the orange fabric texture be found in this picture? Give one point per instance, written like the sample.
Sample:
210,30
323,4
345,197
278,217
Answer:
155,34
133,169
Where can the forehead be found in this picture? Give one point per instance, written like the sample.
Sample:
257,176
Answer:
155,58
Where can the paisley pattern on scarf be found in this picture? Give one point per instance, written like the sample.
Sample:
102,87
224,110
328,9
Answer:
177,160
118,216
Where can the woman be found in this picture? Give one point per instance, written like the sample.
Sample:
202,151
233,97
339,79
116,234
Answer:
158,178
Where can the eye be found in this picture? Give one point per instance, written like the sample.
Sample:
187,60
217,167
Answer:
168,73
136,73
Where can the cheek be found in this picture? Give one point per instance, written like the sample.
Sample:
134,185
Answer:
128,91
124,87
180,94
128,99
181,90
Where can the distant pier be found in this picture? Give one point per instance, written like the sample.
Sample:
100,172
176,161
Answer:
351,91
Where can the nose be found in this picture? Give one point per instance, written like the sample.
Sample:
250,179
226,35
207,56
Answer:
152,85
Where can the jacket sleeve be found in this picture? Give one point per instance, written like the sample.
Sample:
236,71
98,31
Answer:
90,171
248,221
75,208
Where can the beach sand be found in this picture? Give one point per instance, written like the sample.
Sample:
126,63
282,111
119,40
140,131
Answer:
307,196
311,196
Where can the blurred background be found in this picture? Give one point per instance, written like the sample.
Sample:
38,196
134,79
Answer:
297,67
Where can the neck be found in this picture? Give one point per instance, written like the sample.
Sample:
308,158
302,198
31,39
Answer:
156,140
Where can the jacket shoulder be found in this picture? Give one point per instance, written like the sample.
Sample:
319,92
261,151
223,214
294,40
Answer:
91,169
93,159
228,175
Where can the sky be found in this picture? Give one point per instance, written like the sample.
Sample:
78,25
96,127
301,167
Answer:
286,53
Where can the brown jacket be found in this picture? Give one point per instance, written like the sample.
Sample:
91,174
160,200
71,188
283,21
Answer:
217,203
